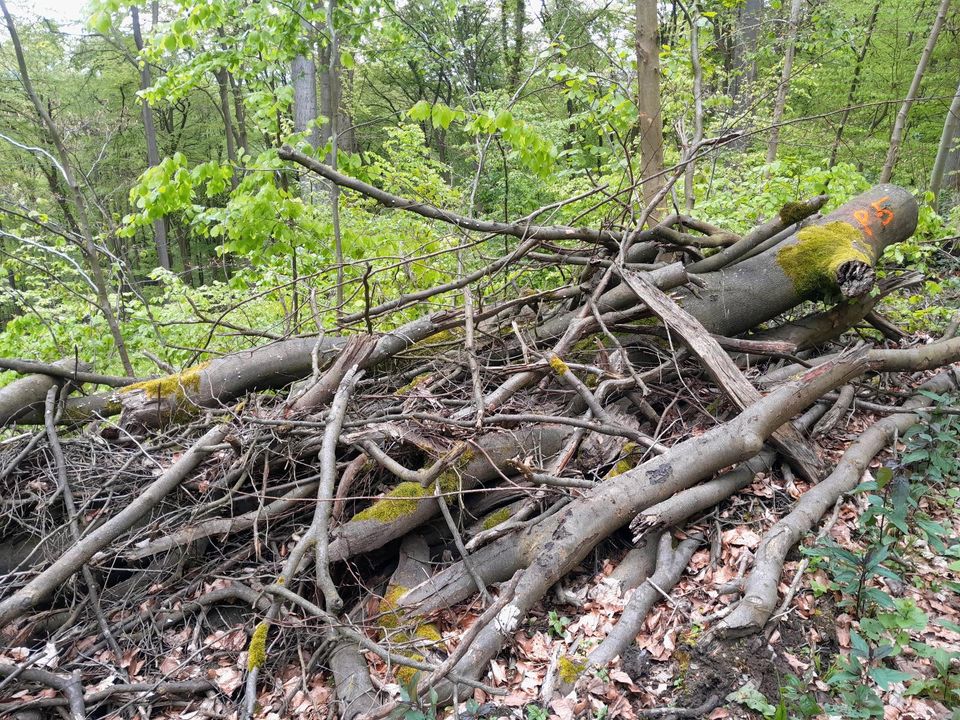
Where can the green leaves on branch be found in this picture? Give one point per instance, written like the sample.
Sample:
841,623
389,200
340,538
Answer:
534,151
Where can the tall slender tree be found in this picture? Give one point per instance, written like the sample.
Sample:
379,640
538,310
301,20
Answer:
854,82
949,139
65,167
150,132
780,104
900,123
648,99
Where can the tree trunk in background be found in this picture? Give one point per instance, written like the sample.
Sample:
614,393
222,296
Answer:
150,131
948,141
76,195
223,84
688,171
240,126
648,101
505,35
303,74
781,102
897,136
326,108
516,60
303,71
744,48
333,94
854,83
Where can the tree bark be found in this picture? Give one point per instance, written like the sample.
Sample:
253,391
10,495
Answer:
516,59
783,88
650,119
745,46
948,140
854,83
753,291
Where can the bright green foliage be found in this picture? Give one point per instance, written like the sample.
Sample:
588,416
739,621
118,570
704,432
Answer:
895,527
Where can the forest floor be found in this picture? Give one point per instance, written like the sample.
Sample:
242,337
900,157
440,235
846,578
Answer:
669,665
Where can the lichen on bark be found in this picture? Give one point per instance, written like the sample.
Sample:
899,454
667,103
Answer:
814,261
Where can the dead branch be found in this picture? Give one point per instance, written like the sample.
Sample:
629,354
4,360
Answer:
760,590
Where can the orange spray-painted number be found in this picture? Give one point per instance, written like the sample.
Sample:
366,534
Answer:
883,214
863,217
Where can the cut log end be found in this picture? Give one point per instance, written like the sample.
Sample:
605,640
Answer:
855,278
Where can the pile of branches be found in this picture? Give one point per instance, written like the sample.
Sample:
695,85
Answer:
318,500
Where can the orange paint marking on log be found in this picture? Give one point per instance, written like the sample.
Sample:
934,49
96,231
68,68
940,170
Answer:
863,217
885,214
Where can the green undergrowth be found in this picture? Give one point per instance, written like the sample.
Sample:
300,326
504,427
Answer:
904,539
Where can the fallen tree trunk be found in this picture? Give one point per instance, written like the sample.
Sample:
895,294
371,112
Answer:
834,257
25,397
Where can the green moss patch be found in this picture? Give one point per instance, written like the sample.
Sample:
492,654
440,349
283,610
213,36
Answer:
413,384
812,263
178,385
793,212
257,654
497,517
390,619
570,669
558,365
405,498
627,461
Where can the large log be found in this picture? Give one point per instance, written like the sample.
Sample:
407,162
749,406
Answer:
831,259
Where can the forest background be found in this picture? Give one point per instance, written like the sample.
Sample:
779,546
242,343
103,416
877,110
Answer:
171,115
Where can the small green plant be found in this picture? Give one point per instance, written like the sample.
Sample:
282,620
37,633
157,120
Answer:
894,527
798,701
536,712
557,623
748,696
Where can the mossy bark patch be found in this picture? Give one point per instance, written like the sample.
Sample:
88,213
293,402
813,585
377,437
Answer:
405,498
558,365
628,460
497,517
413,384
257,655
569,669
813,263
391,620
793,212
178,385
